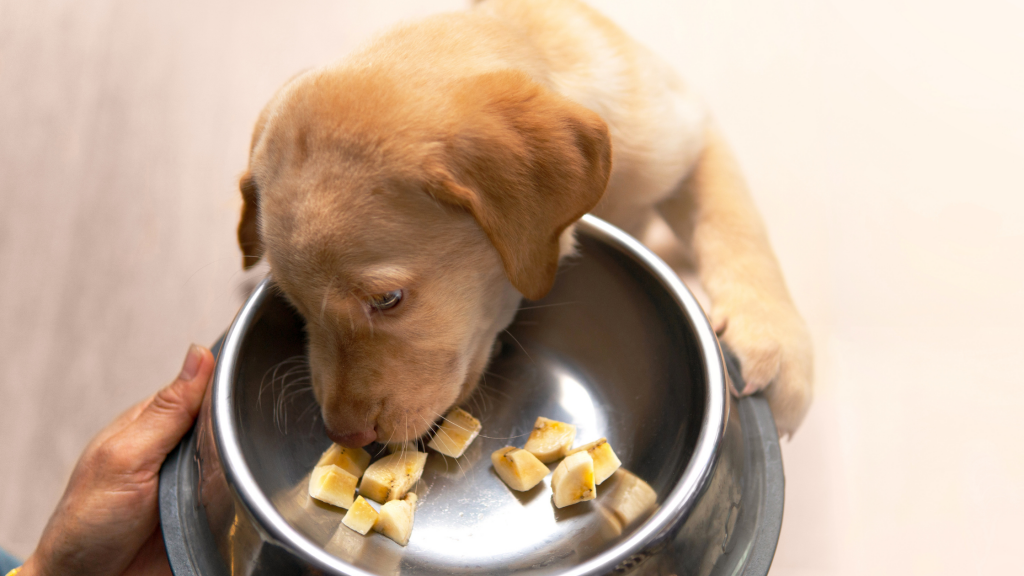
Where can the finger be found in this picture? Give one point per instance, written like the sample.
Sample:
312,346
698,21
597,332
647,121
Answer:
119,423
161,424
131,414
122,421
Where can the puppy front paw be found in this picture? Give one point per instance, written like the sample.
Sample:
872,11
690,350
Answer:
773,349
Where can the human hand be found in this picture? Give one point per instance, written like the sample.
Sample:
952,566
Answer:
107,521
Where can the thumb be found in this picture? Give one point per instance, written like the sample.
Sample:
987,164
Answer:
169,415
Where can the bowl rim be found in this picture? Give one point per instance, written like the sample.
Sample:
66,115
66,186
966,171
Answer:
661,525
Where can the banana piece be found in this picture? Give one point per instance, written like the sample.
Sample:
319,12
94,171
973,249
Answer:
520,469
605,460
573,480
550,439
392,476
333,485
361,516
629,497
456,432
352,460
395,519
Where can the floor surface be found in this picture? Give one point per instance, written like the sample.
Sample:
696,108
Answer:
883,141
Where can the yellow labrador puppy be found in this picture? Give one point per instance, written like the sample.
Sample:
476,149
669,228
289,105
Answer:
407,198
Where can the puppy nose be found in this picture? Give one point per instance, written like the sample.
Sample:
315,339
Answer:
353,439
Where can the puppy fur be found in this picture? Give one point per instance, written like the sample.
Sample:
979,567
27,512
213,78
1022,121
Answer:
449,159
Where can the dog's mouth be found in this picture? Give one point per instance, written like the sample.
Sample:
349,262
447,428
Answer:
393,419
397,424
372,437
354,439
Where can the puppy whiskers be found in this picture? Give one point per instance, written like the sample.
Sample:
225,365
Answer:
429,426
273,373
327,291
492,388
467,429
366,312
384,446
520,345
450,441
295,380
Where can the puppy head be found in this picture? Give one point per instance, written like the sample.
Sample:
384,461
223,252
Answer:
405,224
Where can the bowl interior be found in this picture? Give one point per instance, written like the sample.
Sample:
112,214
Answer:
609,350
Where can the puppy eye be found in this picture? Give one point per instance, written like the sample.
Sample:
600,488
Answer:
386,301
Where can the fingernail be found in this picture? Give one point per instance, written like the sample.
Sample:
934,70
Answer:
192,361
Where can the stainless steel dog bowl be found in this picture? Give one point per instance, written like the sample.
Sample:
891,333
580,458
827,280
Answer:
619,347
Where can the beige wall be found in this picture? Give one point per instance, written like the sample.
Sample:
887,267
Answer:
884,141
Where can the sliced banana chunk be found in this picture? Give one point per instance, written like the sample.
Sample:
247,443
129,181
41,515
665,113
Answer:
395,519
361,516
550,439
333,485
630,498
605,460
392,476
456,432
520,469
573,480
352,460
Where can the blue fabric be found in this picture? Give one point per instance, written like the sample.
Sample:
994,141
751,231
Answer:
7,562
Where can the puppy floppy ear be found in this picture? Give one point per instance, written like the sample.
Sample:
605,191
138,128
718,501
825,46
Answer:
527,163
248,226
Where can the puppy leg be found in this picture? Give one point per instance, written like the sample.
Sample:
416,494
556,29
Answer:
751,309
